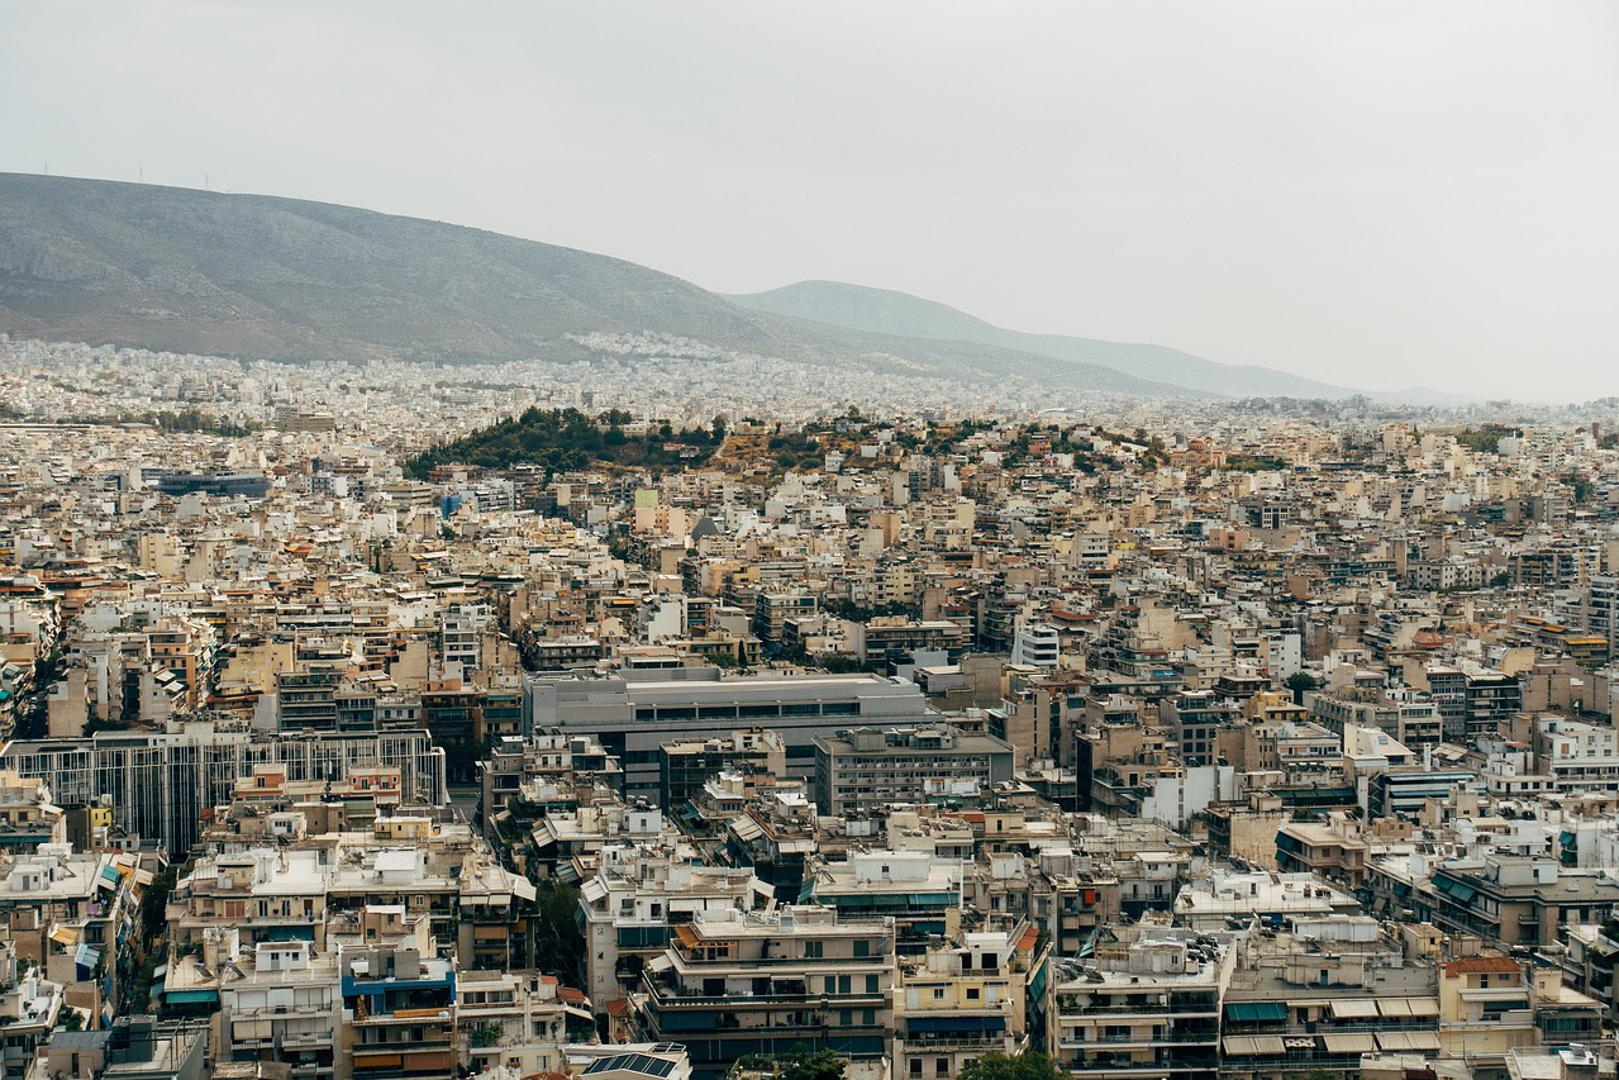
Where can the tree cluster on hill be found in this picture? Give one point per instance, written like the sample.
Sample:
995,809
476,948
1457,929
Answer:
1486,439
562,439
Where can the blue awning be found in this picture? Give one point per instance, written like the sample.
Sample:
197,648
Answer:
956,1023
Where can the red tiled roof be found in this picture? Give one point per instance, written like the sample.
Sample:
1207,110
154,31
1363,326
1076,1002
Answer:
1483,965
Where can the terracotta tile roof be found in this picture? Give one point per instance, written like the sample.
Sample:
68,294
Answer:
1483,965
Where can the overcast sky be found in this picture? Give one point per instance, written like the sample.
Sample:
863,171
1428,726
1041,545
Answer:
1375,194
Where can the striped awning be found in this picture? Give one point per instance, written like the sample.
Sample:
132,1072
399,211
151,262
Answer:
1395,1041
1254,1045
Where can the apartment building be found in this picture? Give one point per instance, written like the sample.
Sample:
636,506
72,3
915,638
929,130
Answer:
399,1006
865,769
1036,644
1193,718
639,894
1333,850
1578,757
916,889
280,1001
894,637
977,991
733,984
1147,1005
1513,899
157,784
685,765
1312,1001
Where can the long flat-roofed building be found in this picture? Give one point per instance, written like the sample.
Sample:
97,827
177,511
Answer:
634,713
157,784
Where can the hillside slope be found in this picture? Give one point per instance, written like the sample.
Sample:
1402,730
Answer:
265,277
888,312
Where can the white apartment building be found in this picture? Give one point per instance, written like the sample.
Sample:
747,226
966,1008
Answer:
1578,756
1036,645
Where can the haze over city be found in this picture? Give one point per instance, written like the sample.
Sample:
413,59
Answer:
1378,195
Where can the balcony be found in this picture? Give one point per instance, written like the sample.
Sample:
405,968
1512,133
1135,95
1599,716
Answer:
670,998
929,1042
1082,1011
1148,1068
1169,1038
403,1016
403,1046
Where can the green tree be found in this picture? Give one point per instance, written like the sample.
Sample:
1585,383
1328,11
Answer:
561,948
1300,683
801,1064
1030,1066
1582,487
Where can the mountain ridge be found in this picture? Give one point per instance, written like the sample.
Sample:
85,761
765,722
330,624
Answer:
263,276
890,311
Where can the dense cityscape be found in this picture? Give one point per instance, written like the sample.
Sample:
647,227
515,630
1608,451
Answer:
921,540
717,716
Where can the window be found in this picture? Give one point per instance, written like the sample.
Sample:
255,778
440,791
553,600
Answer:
813,950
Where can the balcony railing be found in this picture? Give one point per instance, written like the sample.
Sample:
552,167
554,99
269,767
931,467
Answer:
1113,1041
924,1043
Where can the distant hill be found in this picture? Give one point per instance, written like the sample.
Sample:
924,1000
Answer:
263,277
885,311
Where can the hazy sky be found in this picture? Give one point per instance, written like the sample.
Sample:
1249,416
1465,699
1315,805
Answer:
1377,194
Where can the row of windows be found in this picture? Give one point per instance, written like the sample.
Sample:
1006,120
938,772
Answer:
763,711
